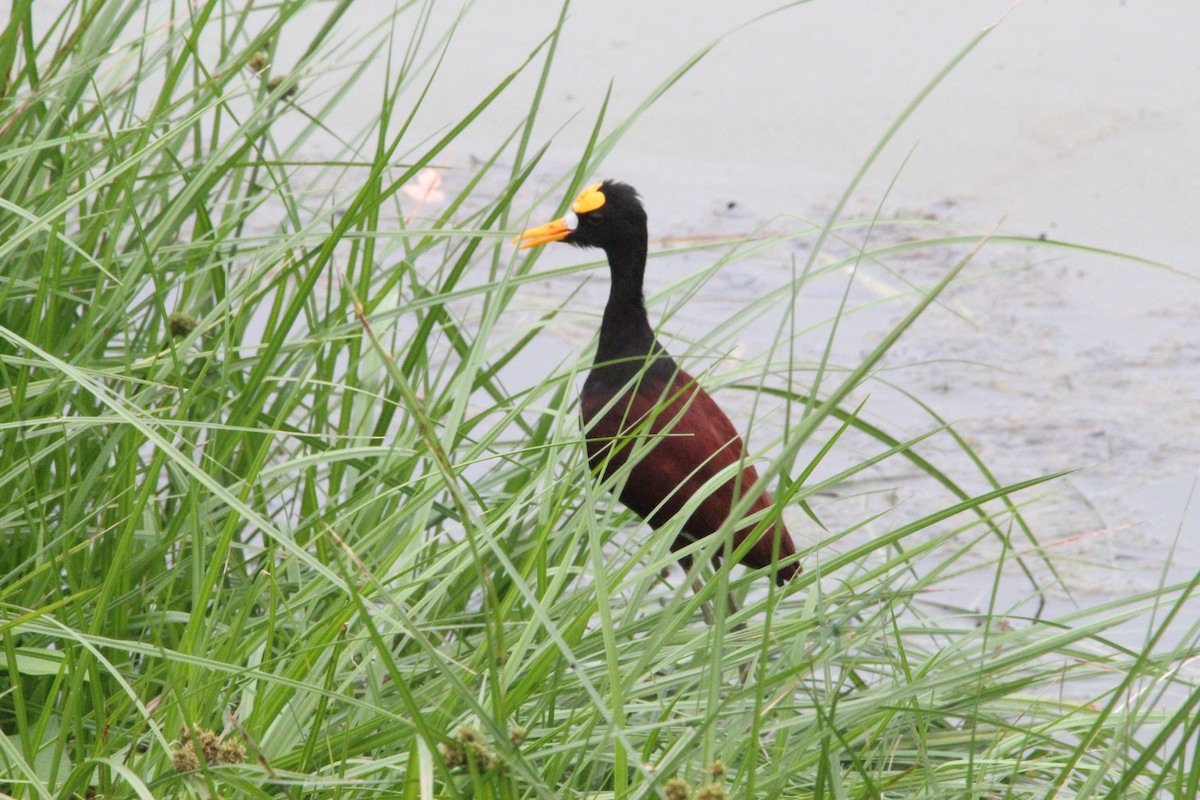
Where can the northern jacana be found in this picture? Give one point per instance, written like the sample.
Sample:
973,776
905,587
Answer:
636,391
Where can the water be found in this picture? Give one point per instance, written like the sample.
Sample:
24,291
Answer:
1076,120
1063,122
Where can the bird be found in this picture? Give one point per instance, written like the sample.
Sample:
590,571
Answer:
635,392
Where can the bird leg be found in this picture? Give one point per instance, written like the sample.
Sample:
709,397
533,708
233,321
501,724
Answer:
710,619
706,610
685,563
734,608
731,604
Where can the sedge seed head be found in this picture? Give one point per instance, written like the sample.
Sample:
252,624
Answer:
677,789
711,791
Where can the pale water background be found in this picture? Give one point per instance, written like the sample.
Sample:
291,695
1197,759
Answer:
1078,120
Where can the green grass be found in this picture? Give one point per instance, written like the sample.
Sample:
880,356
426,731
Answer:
259,478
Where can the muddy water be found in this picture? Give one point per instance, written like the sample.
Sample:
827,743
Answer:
1076,119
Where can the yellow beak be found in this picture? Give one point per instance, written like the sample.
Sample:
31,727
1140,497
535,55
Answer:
543,234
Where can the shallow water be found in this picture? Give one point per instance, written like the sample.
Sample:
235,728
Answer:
1075,119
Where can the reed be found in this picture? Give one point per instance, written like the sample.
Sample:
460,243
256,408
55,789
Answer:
278,521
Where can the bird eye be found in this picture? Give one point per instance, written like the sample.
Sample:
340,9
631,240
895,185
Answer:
595,217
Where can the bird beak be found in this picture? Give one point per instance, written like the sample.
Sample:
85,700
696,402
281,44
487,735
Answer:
544,234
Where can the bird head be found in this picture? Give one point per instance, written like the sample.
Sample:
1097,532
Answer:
607,215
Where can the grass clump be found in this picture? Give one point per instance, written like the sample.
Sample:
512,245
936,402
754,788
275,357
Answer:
263,464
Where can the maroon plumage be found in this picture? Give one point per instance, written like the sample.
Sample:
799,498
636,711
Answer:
636,399
681,439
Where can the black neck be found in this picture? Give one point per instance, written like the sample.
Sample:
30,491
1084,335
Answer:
626,337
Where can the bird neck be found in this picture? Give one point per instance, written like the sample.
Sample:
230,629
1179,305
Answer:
626,337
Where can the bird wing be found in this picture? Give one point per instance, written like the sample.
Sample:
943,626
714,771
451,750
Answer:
681,439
